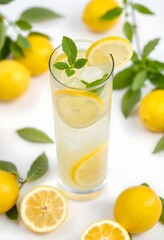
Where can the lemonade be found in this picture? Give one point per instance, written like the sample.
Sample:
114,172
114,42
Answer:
81,123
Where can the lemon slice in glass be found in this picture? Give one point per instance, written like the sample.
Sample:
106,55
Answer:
99,52
78,109
90,170
43,209
105,229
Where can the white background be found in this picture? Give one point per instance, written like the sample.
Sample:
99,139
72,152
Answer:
131,160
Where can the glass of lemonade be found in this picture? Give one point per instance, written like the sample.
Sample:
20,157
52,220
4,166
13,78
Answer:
82,117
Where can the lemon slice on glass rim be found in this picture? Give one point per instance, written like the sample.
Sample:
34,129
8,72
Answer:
90,170
78,109
105,229
120,48
43,209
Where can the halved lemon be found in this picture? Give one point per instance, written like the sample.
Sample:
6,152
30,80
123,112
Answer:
90,170
99,52
78,109
105,230
43,209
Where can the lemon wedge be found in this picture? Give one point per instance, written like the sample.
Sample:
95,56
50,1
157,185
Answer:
78,109
99,52
43,209
105,229
90,170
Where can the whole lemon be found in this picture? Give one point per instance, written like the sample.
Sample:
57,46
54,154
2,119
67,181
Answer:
37,55
138,209
151,111
94,10
14,79
9,191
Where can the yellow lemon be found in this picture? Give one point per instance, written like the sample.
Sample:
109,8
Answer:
90,170
9,191
43,209
120,48
78,109
14,79
36,57
94,10
151,111
137,209
105,229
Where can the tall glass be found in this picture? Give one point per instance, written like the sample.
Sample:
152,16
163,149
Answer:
81,118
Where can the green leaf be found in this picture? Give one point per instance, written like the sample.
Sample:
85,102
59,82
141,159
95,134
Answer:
160,146
8,167
128,30
155,66
162,214
38,14
22,42
149,47
123,79
39,33
139,79
2,34
5,1
23,24
142,9
5,51
80,63
16,50
34,135
145,184
38,168
111,14
69,72
157,79
61,65
70,49
13,213
134,57
129,100
96,82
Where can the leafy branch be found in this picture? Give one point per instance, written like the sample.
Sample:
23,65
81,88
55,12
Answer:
22,28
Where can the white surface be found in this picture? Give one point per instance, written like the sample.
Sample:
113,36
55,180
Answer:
131,161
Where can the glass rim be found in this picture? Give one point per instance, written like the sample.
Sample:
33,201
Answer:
73,88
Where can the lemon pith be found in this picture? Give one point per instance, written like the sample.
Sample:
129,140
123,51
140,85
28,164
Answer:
78,109
43,209
90,170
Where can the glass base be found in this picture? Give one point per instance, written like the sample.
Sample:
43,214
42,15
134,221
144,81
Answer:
81,196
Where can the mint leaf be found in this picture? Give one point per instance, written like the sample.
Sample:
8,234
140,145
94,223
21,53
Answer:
16,50
61,65
2,34
5,51
70,49
129,100
34,135
157,79
123,79
149,47
5,1
145,184
85,83
23,24
160,146
111,14
38,14
162,214
142,9
39,33
69,72
139,79
128,30
134,57
96,82
80,63
8,167
38,168
155,66
12,213
22,42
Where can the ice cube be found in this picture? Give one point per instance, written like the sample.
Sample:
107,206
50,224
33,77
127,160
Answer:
90,74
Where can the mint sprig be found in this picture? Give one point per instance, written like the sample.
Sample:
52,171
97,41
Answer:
70,50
